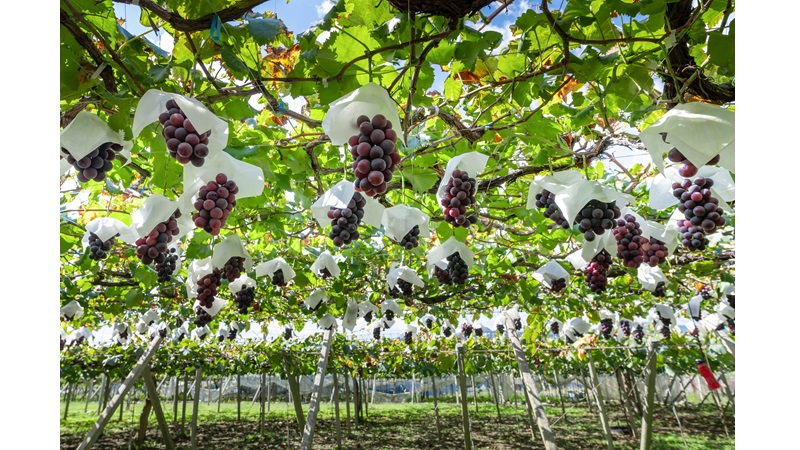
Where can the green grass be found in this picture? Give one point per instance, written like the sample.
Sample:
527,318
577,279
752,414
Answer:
400,426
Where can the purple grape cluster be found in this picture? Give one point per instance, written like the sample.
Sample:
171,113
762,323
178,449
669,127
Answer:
277,278
97,248
686,169
447,332
665,331
184,142
466,330
655,252
660,290
244,298
501,328
207,287
214,203
706,292
203,317
411,239
554,328
153,246
389,315
478,331
547,200
368,316
287,333
94,165
376,333
629,241
233,268
402,287
625,326
232,334
606,327
459,193
456,272
429,323
558,285
693,237
596,272
345,221
731,300
325,273
408,337
638,334
731,326
517,324
597,217
375,154
697,204
166,268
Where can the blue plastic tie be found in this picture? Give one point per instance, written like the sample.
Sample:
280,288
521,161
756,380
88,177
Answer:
216,27
281,107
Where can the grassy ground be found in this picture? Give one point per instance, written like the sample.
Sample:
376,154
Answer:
401,427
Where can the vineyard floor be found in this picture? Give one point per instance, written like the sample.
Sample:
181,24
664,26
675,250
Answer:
400,427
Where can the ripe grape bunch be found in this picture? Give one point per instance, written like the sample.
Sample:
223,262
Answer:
456,272
655,252
478,331
686,169
345,221
606,326
706,292
232,334
554,328
203,317
277,278
94,165
459,193
375,154
638,334
389,315
558,284
699,208
665,331
184,142
408,337
325,273
368,316
731,300
597,217
517,324
447,332
97,248
731,326
402,286
153,247
376,333
660,290
596,272
429,323
287,333
501,328
214,203
547,200
466,330
166,268
625,326
233,268
207,287
244,298
411,239
629,241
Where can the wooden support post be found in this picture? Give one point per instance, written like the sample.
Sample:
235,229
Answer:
436,407
196,404
727,343
127,384
316,394
413,385
208,386
185,397
152,393
366,397
474,394
101,392
89,394
494,394
649,401
262,409
269,391
462,382
528,409
219,393
66,406
626,403
294,388
337,421
586,392
600,403
560,396
238,398
141,434
632,387
356,401
175,402
527,380
347,402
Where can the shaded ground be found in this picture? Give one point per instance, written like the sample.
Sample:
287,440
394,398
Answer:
402,427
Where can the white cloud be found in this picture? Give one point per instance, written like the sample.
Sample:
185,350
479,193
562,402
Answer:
323,8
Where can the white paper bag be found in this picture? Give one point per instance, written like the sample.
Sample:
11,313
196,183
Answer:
216,306
554,183
325,261
371,99
315,299
105,228
197,270
399,220
230,247
273,265
403,273
549,273
473,163
350,315
649,277
86,132
338,197
437,256
248,177
154,210
72,310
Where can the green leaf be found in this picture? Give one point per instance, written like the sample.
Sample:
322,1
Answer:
134,298
421,179
721,49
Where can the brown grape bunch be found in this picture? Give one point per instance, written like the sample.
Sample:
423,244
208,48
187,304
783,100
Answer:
94,165
375,154
466,330
214,203
277,278
408,337
655,252
411,239
596,272
203,317
184,142
686,169
166,268
606,326
547,200
455,273
244,298
207,287
153,247
458,194
597,217
344,221
402,287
